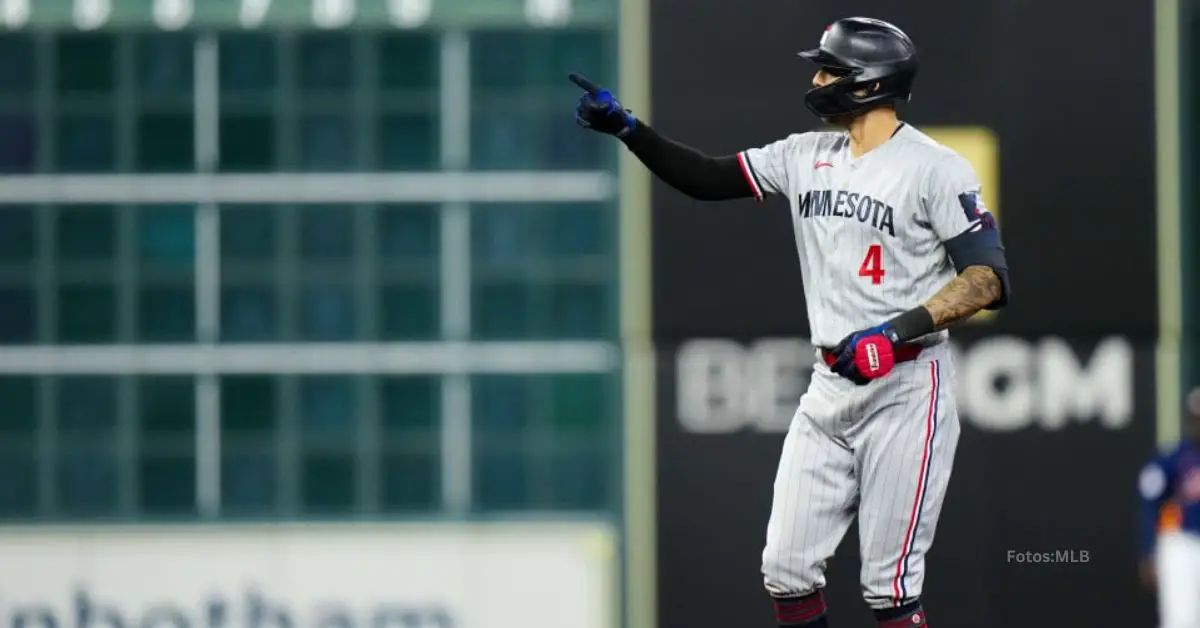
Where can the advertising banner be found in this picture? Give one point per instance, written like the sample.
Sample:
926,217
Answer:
310,576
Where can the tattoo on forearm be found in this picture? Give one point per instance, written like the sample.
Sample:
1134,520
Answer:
973,289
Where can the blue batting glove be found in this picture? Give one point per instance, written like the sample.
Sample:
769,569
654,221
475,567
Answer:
600,111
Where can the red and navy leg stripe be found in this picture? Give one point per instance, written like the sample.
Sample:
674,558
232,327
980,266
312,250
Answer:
899,583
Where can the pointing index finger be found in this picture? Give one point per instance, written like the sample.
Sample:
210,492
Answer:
584,84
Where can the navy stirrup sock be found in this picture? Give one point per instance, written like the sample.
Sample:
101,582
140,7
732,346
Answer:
910,615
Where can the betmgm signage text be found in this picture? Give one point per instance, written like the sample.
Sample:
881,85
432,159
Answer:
1004,384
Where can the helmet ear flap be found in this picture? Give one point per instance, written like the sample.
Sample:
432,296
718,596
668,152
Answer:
843,97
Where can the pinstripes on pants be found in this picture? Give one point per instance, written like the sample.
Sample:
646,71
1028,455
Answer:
881,452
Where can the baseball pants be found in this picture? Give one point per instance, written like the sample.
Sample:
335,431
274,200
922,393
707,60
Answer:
883,452
1177,563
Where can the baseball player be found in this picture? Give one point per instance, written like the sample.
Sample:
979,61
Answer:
895,245
1170,526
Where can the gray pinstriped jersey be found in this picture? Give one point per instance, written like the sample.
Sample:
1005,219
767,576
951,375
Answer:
869,231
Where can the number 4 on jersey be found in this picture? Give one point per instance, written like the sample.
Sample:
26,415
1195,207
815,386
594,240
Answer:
872,265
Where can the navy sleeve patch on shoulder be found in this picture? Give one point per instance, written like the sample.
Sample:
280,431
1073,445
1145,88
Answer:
975,210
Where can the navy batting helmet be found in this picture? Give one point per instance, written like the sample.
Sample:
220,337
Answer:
861,51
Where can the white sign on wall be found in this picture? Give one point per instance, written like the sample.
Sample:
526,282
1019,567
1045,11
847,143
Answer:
310,576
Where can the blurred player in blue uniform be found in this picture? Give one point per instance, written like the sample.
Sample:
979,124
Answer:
1170,526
